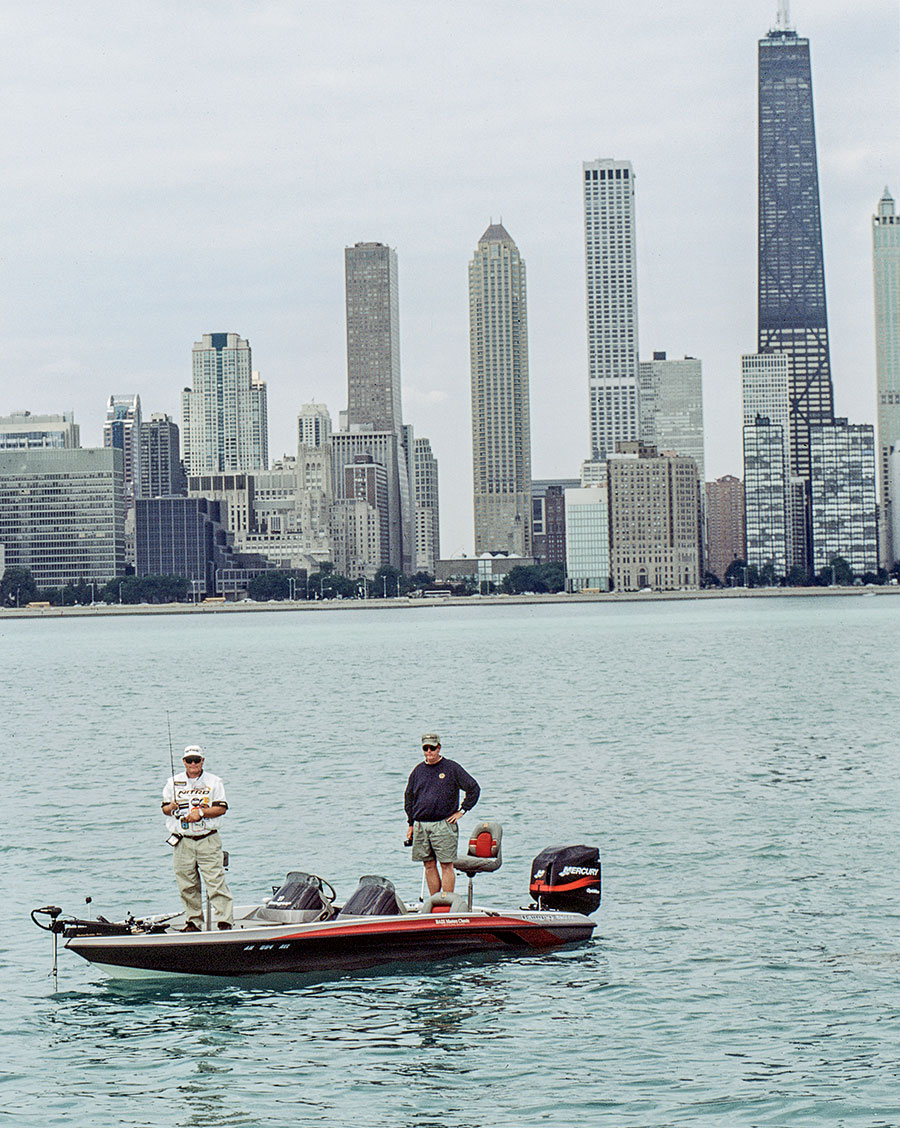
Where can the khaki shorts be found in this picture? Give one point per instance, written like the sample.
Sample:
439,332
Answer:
435,840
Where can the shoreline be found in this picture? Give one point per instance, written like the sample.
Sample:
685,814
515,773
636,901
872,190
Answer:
417,603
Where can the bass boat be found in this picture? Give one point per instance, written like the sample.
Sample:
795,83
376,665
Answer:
302,930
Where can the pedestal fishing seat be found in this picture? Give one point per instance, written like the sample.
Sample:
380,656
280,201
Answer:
483,855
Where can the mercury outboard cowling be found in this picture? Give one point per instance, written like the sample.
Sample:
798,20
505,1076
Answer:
567,878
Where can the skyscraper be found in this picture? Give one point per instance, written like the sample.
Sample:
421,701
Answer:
374,419
425,488
225,421
767,489
776,513
122,430
501,416
886,263
373,338
671,399
791,275
843,495
727,539
612,323
162,474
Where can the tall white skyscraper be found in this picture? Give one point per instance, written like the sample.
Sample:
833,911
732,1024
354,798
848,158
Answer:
671,399
225,420
122,431
612,321
886,263
501,415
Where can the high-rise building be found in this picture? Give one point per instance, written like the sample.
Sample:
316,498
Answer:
766,386
373,386
366,535
225,419
62,514
383,447
726,531
501,415
548,518
792,315
373,338
766,494
425,490
587,538
842,457
24,431
122,430
654,507
612,321
886,263
315,472
162,474
671,400
313,425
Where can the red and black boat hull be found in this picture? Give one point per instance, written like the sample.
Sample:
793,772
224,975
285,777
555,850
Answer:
332,946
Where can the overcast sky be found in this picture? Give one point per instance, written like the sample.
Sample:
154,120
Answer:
175,169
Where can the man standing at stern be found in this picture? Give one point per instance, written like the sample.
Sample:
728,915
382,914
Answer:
433,811
193,802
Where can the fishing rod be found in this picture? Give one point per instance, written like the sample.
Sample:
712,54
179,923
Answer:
172,840
171,754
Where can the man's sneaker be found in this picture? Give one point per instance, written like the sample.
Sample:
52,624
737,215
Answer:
189,927
224,924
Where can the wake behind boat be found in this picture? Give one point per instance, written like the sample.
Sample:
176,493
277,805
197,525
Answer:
301,929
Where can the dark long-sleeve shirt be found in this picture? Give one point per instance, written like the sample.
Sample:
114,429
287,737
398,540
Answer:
433,791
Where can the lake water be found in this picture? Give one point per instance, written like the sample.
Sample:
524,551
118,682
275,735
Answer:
735,760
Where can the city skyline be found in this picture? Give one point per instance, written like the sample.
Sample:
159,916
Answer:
107,286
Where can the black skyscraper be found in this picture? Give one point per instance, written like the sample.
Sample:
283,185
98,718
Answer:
792,316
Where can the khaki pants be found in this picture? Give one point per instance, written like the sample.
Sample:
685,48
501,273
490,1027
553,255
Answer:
196,858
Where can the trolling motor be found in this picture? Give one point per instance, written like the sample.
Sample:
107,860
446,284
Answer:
55,926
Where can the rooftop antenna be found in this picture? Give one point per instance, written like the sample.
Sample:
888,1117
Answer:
783,20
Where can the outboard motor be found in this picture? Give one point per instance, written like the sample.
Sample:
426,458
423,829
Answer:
567,878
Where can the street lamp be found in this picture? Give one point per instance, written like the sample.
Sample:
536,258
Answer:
92,593
120,593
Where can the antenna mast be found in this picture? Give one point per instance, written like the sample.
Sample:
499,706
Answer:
783,20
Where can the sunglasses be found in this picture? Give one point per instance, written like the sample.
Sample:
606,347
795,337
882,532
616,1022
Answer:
193,759
429,747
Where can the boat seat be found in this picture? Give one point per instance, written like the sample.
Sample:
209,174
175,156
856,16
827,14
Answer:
443,902
299,900
373,896
483,855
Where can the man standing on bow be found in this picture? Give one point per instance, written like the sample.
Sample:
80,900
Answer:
193,802
433,811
